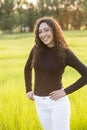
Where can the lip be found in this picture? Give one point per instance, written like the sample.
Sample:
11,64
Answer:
45,39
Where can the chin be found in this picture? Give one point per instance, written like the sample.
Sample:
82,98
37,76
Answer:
46,43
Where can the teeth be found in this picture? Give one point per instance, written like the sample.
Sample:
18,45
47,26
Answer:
45,39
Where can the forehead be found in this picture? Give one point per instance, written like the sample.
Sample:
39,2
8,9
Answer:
43,26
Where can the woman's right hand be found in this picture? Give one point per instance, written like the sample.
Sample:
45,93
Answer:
30,95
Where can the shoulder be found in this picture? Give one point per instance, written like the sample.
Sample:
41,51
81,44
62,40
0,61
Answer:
32,50
68,51
30,55
70,57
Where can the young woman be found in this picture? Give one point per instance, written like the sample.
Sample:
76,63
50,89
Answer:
49,57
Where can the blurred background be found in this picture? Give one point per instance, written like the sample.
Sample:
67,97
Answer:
17,20
20,15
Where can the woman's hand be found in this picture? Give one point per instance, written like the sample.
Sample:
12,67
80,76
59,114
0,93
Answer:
30,95
57,94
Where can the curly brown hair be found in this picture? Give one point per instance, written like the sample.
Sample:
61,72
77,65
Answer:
59,39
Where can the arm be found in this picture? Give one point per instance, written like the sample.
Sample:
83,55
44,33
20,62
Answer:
74,62
28,73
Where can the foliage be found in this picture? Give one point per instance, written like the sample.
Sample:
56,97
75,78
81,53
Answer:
7,19
71,14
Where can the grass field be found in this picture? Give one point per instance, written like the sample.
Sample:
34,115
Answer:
16,111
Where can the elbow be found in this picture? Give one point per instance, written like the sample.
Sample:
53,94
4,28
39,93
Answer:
25,70
85,78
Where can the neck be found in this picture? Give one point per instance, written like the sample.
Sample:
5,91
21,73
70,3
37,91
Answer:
50,45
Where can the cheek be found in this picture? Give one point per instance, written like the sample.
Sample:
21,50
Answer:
39,35
51,35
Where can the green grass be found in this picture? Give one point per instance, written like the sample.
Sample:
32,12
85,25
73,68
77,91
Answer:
16,111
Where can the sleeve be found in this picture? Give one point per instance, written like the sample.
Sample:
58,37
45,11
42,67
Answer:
73,61
28,72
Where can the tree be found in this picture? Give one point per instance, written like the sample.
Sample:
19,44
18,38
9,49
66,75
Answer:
7,15
13,14
71,13
77,14
85,13
40,8
30,16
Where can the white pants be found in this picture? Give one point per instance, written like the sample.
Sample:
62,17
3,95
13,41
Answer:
54,115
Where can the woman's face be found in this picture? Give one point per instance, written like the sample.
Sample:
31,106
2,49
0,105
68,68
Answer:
46,34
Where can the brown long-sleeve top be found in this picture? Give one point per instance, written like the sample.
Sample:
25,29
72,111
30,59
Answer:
49,71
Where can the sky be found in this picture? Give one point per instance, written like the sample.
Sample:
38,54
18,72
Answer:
33,1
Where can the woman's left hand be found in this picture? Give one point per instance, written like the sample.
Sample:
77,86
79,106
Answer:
57,94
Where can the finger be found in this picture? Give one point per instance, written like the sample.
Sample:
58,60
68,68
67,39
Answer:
54,96
51,93
31,94
31,98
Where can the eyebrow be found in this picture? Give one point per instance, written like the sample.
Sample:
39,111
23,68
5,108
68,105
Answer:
44,29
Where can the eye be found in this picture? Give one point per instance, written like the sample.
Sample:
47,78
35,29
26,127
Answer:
47,30
39,31
44,30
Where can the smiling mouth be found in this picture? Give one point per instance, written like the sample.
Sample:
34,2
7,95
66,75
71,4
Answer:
45,39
